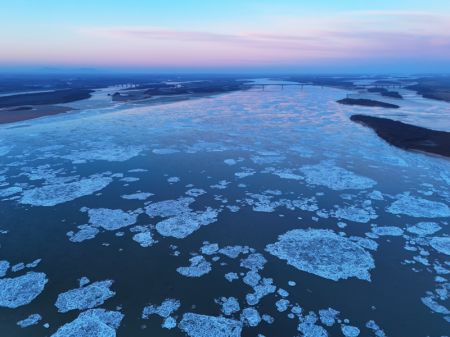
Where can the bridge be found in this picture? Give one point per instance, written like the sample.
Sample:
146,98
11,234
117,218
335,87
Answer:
282,85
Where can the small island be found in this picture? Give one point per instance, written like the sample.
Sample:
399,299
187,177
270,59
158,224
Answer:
407,136
367,102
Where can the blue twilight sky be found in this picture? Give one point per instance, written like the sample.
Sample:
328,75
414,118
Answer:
231,35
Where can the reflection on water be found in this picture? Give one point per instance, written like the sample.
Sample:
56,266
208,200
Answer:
255,212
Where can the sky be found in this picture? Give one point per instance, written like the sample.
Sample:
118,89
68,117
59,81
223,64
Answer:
320,36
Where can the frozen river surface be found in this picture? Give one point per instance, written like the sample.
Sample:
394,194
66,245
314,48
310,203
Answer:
247,214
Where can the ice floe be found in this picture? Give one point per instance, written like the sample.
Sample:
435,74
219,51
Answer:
229,305
164,310
196,325
418,207
199,267
323,253
33,319
111,219
54,194
86,297
4,266
387,231
92,323
350,331
441,244
137,196
250,317
424,228
334,177
21,290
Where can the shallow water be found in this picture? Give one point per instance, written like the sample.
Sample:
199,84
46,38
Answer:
270,162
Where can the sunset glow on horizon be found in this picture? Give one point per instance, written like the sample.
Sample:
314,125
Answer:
235,35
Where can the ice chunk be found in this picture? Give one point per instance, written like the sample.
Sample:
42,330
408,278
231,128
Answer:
282,305
199,267
255,261
164,310
441,244
137,196
111,219
418,207
92,323
145,239
350,331
86,297
21,290
424,228
195,325
29,321
334,177
250,317
86,232
323,253
4,266
229,305
387,231
54,194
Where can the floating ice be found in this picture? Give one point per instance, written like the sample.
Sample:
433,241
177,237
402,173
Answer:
356,214
86,297
169,323
54,194
21,290
137,196
17,267
231,276
168,208
209,249
83,281
376,329
164,310
199,267
424,228
282,305
29,321
328,316
234,251
246,172
263,288
7,192
334,177
250,317
252,278
173,180
441,244
165,151
195,325
109,152
308,327
4,266
185,224
229,305
254,261
431,303
86,232
111,219
230,162
350,331
418,207
195,192
387,231
323,253
145,239
92,323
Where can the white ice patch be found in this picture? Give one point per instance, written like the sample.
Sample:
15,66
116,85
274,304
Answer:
86,297
334,177
323,253
441,244
424,228
195,325
229,305
54,194
29,321
92,323
137,196
199,267
164,310
418,207
109,152
387,231
21,290
111,219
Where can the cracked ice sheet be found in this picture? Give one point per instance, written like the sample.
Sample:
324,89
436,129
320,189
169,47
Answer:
196,325
323,253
